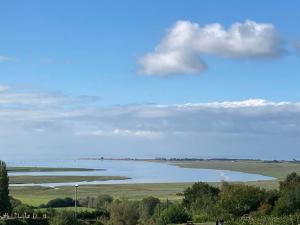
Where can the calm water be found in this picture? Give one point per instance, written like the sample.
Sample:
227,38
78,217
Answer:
138,171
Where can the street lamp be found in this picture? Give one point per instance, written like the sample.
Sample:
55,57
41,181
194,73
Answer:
76,186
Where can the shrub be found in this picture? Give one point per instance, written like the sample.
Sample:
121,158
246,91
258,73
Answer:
124,212
63,218
22,209
59,202
239,199
174,214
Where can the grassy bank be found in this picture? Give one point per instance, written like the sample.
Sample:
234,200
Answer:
278,170
60,179
48,169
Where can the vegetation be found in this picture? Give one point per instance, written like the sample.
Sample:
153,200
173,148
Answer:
36,196
59,202
176,213
275,169
159,204
267,220
5,206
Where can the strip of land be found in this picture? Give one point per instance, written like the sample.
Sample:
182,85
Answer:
48,169
278,170
60,179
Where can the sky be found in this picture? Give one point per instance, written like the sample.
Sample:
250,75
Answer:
150,78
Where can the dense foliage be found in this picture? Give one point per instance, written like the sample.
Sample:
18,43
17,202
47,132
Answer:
59,202
267,220
96,202
5,205
175,214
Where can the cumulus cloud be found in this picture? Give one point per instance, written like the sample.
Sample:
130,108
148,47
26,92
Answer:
179,52
6,59
37,122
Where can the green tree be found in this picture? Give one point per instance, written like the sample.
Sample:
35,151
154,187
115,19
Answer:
5,206
147,209
289,196
147,206
174,214
291,180
239,199
124,212
201,197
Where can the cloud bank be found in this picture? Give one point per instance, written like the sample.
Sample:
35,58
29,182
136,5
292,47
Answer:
180,51
41,123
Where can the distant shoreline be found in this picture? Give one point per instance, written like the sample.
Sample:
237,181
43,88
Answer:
172,159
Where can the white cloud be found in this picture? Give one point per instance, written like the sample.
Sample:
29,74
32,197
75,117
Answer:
180,50
121,133
6,59
10,97
171,62
3,88
40,122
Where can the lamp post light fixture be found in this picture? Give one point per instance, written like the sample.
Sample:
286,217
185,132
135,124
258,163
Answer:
76,187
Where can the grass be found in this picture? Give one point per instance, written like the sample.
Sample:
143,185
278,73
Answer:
39,195
47,169
278,170
60,179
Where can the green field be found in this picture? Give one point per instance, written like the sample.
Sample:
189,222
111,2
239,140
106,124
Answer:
48,169
60,179
39,195
278,170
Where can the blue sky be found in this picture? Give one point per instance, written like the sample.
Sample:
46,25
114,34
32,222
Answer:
92,50
102,41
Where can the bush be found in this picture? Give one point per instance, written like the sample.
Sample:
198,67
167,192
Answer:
289,201
99,202
63,218
267,220
147,207
14,202
200,195
124,212
59,202
239,199
22,209
174,214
